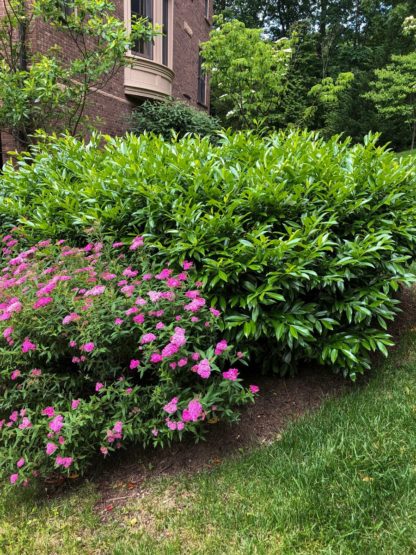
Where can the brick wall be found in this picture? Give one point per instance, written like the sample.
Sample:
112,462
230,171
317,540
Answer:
190,29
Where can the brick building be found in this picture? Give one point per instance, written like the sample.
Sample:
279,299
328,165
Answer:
170,66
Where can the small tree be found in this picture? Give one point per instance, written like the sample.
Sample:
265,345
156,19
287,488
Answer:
394,91
47,90
328,97
247,72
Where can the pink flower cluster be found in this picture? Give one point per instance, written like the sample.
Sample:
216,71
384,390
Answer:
159,319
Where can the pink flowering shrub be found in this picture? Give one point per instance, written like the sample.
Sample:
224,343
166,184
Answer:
99,349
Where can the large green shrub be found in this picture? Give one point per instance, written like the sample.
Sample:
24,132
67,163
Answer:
171,116
303,242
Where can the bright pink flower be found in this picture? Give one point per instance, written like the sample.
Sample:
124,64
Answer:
8,332
128,290
204,369
20,463
180,426
155,432
118,427
104,451
51,448
172,406
14,416
187,265
128,272
117,244
215,312
14,478
98,386
193,412
221,347
170,349
88,347
195,305
134,363
36,372
57,423
147,338
15,374
61,440
171,425
95,291
63,461
160,326
164,274
138,319
155,358
195,356
75,404
231,374
28,346
155,296
73,317
136,243
118,321
107,276
26,423
147,277
49,412
182,362
254,389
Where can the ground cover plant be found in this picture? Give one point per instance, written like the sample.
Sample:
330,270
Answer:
339,481
303,243
98,352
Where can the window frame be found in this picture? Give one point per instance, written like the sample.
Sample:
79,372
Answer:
141,48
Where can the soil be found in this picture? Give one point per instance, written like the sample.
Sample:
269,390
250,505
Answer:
280,401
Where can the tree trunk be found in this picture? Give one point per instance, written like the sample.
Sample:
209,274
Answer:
413,135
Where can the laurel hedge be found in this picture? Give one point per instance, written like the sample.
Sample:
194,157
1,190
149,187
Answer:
303,243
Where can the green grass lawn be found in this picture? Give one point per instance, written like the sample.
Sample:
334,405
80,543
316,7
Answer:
340,481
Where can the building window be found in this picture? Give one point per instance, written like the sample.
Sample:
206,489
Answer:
142,9
67,9
165,38
207,9
202,83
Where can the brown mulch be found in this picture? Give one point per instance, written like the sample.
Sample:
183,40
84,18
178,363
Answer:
280,401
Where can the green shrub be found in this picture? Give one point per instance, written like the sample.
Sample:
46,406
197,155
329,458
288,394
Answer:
171,116
97,352
303,242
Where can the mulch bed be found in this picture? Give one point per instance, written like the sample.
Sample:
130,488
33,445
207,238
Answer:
280,401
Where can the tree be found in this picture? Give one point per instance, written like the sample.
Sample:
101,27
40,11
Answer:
47,90
328,96
394,91
247,72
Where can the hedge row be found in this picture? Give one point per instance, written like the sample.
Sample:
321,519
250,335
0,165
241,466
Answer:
302,242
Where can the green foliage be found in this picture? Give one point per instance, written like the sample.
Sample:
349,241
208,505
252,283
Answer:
328,96
335,37
247,72
172,116
394,91
303,242
50,90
